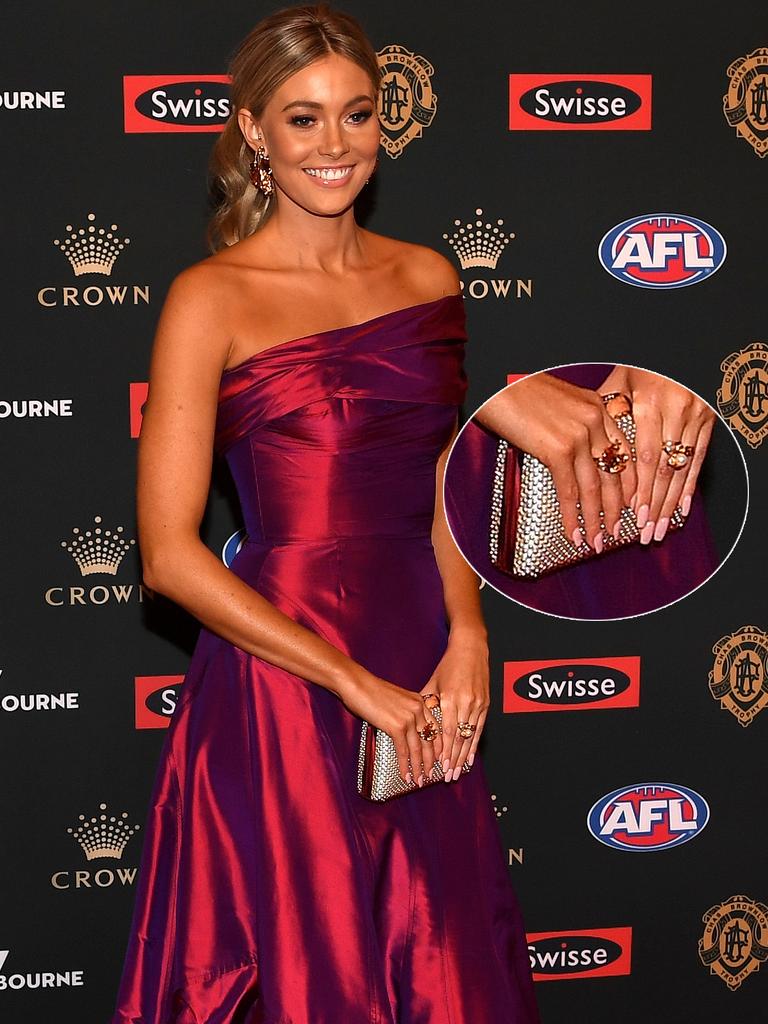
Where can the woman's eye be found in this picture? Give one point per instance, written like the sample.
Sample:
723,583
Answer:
359,116
302,120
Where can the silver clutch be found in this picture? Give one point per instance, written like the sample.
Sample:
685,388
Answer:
378,773
526,534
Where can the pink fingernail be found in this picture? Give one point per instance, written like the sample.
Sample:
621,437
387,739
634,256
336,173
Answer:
577,537
686,506
471,760
598,543
642,516
661,529
646,534
408,778
422,779
447,776
446,762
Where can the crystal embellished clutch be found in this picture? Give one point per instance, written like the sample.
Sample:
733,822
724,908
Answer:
378,772
526,536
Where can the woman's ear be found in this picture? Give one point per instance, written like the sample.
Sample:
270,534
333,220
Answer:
250,129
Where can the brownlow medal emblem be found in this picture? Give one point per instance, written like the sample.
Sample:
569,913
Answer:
745,105
407,103
743,398
735,939
739,678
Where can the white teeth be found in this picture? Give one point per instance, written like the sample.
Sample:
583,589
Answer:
328,173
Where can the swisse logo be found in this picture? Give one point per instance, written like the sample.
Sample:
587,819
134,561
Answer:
38,979
138,393
568,685
155,700
579,102
650,816
555,956
175,103
662,250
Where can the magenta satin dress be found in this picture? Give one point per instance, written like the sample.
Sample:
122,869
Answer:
270,892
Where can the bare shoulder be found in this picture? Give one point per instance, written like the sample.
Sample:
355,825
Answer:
426,272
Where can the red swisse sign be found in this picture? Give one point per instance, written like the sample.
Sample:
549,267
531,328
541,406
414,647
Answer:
156,698
579,102
137,396
590,953
175,103
568,684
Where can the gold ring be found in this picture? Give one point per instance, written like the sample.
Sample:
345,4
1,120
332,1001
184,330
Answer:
613,459
431,700
677,453
429,733
465,730
617,404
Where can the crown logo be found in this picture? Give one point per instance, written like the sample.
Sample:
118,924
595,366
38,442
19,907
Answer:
91,250
498,810
103,835
98,550
478,244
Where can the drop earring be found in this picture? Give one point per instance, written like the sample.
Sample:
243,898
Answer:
261,171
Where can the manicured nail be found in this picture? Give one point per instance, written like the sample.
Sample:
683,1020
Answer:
686,506
661,528
642,516
408,778
646,534
446,762
616,529
471,760
598,543
422,779
456,772
577,537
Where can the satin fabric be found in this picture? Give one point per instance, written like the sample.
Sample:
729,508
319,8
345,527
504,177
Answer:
269,891
631,581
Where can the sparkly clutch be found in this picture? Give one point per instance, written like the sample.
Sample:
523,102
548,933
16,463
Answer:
526,536
378,772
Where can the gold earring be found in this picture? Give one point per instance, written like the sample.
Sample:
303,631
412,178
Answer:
261,172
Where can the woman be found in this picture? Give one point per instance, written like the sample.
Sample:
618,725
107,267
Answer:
559,417
270,890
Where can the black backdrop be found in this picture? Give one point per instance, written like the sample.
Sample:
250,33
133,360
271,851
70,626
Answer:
88,644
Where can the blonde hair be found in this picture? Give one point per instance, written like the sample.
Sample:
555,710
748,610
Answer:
280,45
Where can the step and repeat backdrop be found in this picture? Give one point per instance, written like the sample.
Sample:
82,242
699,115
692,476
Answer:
516,139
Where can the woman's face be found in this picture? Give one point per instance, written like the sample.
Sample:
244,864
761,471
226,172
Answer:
321,133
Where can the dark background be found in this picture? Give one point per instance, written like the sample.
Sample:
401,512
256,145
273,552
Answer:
559,192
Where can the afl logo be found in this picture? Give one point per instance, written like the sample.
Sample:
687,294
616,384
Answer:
649,816
662,250
231,547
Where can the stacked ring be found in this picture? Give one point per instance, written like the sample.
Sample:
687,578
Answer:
466,730
677,453
429,733
613,459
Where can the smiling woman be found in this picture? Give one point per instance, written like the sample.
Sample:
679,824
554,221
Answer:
325,363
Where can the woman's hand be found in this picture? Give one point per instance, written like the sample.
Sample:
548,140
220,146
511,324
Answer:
461,681
399,712
664,411
565,427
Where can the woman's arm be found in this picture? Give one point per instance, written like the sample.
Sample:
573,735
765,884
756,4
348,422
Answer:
175,457
462,677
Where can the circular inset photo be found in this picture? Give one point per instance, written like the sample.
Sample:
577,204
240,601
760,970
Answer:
594,491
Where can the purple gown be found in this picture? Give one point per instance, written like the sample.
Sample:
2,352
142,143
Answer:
270,892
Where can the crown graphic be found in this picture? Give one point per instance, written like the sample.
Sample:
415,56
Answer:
478,243
98,550
91,250
498,810
103,835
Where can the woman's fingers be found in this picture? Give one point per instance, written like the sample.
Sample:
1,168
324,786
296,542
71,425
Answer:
673,498
702,443
648,447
